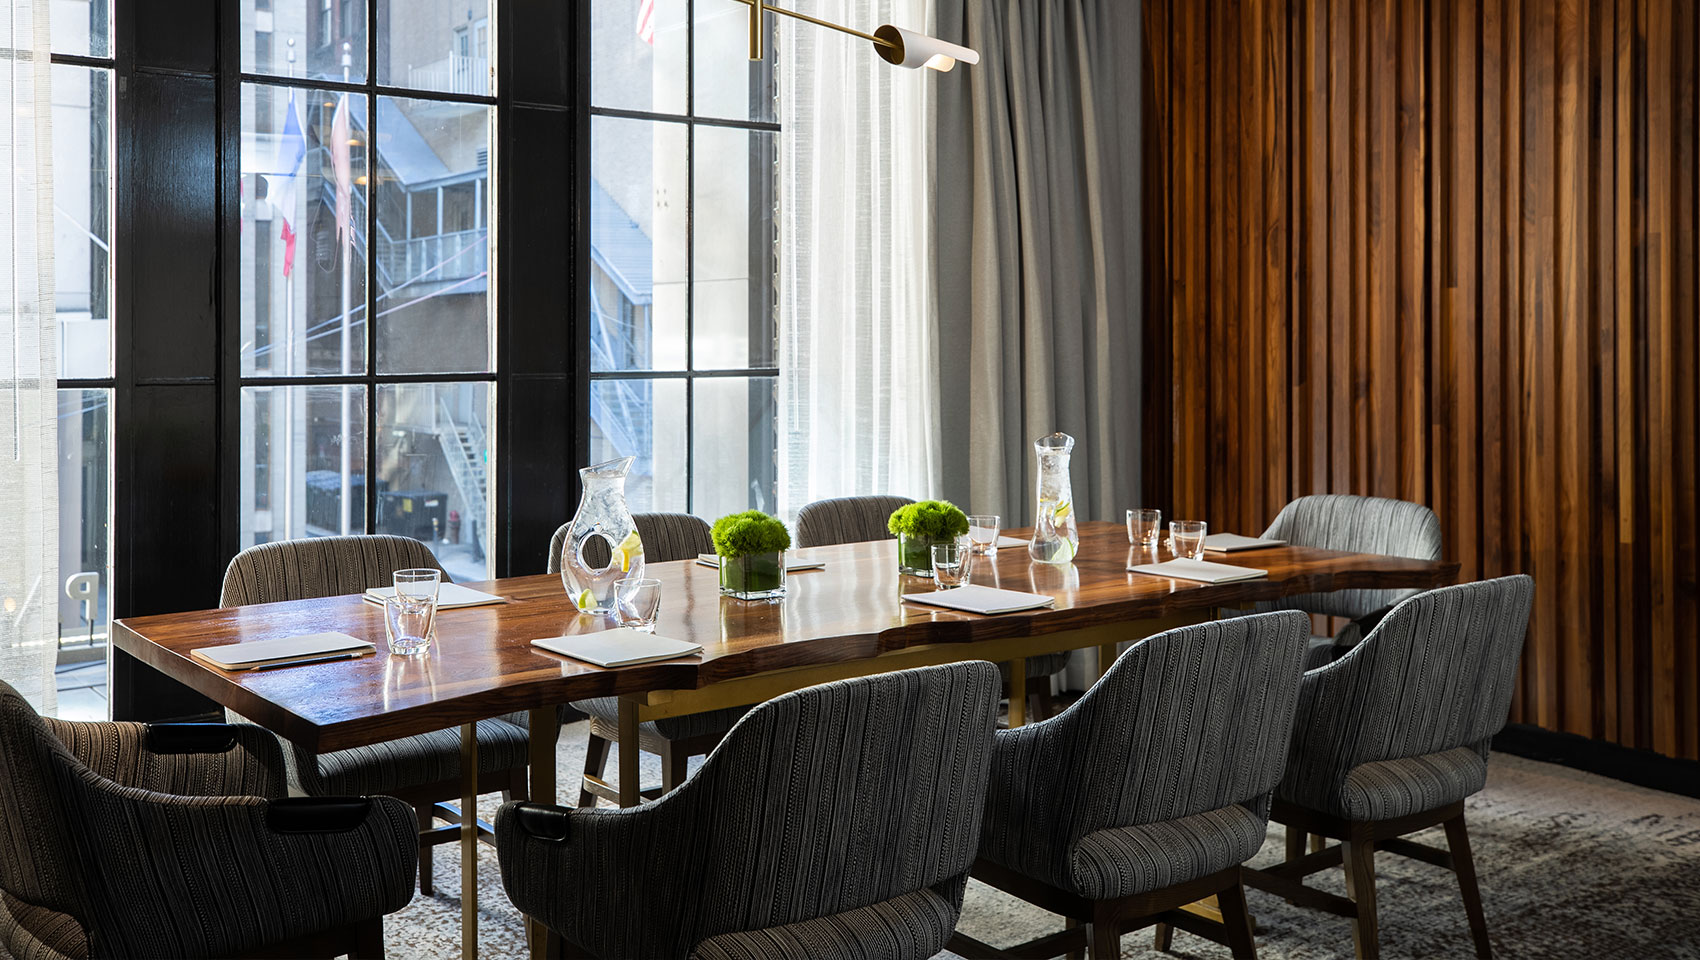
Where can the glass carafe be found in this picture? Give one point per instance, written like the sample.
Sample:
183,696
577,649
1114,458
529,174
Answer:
602,515
1055,535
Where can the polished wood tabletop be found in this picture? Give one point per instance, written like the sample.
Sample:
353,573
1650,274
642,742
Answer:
482,663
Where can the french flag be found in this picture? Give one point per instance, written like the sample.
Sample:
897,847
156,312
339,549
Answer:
646,22
281,184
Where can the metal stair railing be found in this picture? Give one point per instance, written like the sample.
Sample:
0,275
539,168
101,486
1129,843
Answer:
463,448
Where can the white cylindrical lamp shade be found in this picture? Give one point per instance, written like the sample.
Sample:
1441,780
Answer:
906,48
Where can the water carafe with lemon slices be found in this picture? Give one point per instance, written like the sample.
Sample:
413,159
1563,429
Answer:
601,545
1056,537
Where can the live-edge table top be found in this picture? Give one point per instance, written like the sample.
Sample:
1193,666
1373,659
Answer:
482,663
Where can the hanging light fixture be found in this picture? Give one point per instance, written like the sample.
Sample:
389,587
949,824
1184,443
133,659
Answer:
895,45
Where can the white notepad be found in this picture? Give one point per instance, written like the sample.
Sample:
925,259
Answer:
1202,571
1233,542
1006,542
620,647
977,599
450,596
277,651
791,566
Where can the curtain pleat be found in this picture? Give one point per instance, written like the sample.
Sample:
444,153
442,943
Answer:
29,514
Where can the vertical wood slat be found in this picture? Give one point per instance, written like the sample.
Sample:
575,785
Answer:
1449,250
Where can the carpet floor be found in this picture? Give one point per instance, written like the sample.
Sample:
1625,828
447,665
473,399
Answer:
1570,865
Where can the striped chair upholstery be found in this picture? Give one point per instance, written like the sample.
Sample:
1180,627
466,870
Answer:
666,537
422,769
836,821
95,858
1392,737
1160,775
860,519
1394,528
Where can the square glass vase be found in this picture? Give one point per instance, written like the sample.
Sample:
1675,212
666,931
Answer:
756,576
915,555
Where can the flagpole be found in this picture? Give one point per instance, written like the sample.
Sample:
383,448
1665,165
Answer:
289,365
347,252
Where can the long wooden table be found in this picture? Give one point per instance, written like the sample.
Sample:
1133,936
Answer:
845,620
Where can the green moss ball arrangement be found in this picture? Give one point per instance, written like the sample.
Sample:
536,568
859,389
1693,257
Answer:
753,532
928,520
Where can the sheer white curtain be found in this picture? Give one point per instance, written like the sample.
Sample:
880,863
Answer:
858,385
29,508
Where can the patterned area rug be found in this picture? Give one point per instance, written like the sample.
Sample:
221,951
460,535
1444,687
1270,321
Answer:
1570,864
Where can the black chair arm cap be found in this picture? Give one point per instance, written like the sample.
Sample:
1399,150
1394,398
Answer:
172,738
542,820
317,814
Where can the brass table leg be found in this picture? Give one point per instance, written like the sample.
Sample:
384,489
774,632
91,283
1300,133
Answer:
469,841
1017,692
629,752
543,734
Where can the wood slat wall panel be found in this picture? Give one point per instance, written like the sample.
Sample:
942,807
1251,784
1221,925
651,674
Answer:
1447,250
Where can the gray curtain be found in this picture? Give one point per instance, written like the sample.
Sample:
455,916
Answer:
1037,164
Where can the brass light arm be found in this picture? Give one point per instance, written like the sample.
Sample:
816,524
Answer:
757,7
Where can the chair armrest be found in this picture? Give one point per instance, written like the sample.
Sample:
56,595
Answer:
185,759
220,876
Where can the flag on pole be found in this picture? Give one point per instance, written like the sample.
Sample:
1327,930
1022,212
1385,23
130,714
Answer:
343,166
646,21
281,184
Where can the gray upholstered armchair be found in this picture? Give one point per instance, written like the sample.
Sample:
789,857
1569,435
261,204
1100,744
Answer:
129,840
424,769
1336,521
836,821
1148,792
1392,737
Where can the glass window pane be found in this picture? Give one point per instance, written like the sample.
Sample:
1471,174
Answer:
433,471
728,83
85,518
311,39
82,219
82,28
734,437
637,54
433,237
303,459
435,46
303,288
640,211
732,218
643,419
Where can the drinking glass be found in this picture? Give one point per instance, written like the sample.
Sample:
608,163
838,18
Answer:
411,614
983,532
637,603
1186,539
1144,527
947,563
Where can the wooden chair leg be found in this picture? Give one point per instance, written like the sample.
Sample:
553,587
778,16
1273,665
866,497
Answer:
1105,934
1074,953
1162,936
1458,841
1317,843
426,819
519,788
595,762
1359,858
1047,703
368,940
1295,843
673,766
1237,921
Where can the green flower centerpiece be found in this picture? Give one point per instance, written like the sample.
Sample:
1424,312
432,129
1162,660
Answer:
752,549
920,525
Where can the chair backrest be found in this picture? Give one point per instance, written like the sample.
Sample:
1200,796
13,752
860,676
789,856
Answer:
1394,528
817,802
846,520
1185,722
320,567
1435,674
38,858
665,536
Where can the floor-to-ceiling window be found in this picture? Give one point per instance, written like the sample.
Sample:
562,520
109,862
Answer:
83,59
367,355
682,254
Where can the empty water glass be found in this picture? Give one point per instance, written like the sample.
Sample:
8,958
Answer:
1186,539
1144,527
637,603
947,563
411,614
983,532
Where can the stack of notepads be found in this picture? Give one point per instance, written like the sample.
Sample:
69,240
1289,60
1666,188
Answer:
450,596
974,598
283,651
1203,571
620,647
792,565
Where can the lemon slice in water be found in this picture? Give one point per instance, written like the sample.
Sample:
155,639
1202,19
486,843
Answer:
586,599
629,549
